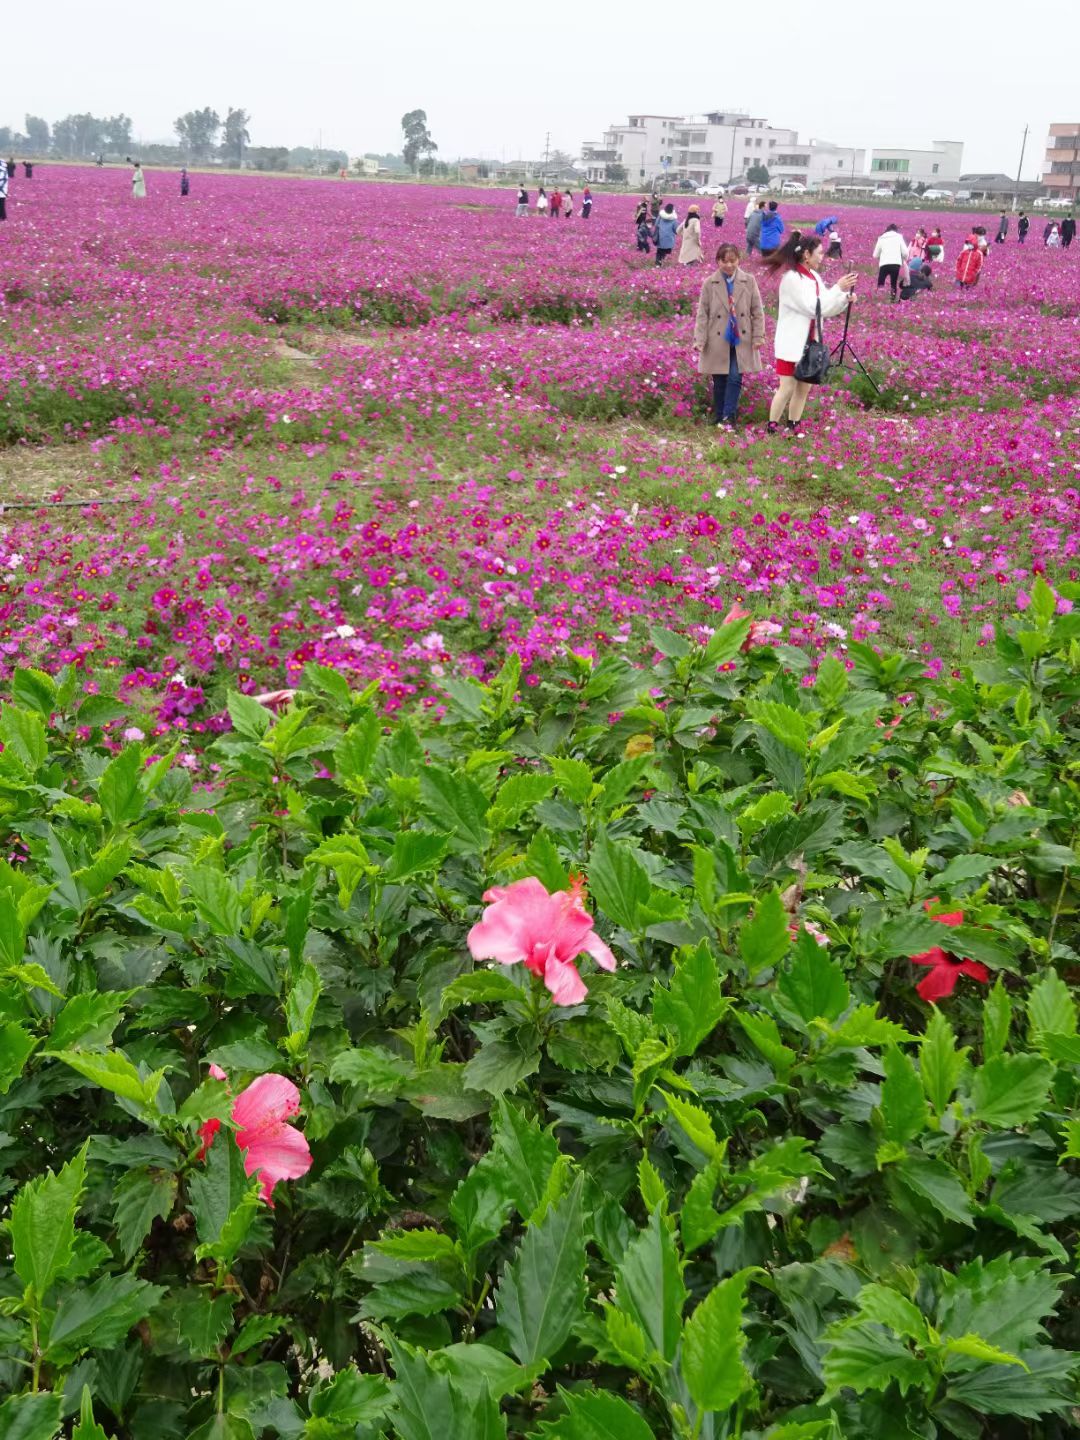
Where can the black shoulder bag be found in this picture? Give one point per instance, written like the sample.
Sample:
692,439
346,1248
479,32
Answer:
812,367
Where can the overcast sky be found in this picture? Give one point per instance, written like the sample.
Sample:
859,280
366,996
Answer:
495,78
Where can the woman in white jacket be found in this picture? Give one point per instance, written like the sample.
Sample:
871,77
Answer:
799,259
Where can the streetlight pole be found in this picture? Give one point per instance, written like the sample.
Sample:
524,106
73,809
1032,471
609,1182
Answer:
731,167
1023,147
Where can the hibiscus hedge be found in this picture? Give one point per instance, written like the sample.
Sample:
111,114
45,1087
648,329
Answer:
290,1144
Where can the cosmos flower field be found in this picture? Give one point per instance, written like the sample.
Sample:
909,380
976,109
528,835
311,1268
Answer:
399,432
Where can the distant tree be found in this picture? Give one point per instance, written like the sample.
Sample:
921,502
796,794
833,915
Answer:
426,166
617,174
559,160
921,188
198,130
758,175
418,142
236,136
77,137
326,162
269,157
37,134
116,133
5,137
902,187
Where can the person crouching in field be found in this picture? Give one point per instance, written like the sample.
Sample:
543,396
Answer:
729,331
643,232
968,266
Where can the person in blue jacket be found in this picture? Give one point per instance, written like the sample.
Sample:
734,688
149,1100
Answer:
667,223
772,230
823,227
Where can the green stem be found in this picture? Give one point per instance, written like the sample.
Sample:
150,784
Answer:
35,1372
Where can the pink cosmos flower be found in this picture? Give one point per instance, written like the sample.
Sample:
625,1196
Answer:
272,1147
523,923
945,969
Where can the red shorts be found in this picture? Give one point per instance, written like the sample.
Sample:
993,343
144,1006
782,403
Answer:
785,367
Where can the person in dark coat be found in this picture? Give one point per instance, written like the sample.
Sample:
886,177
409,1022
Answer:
1068,231
1002,230
185,183
1023,224
921,279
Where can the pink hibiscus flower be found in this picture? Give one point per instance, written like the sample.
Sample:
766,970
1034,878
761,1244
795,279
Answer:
760,630
524,924
272,1147
944,968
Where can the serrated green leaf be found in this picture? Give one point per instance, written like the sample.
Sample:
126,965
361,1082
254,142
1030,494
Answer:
691,1006
457,805
478,987
764,1034
1011,1090
695,1123
113,1071
30,1417
87,1428
218,1187
42,1223
120,789
997,1018
596,1415
650,1286
812,986
16,1046
100,1315
940,1062
203,1322
937,1182
712,1346
415,852
783,724
974,1347
864,1357
499,1066
141,1197
903,1106
88,1020
541,1293
542,861
618,881
764,938
886,1306
526,1155
1051,1007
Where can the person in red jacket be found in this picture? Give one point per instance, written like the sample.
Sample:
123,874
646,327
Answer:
556,204
968,265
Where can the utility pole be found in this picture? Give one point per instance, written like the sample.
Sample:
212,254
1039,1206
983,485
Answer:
547,151
731,167
1023,147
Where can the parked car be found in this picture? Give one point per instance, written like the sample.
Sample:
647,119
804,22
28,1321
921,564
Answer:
881,193
686,185
1060,202
710,190
937,195
740,190
792,187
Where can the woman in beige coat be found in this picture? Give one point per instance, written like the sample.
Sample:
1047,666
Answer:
690,251
729,332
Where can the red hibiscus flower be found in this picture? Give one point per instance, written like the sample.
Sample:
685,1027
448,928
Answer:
944,968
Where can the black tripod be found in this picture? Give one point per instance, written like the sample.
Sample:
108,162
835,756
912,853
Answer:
844,347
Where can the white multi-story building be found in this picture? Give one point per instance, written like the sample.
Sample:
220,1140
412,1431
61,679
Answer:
942,163
717,147
644,146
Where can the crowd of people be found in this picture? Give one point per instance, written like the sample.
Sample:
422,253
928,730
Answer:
559,204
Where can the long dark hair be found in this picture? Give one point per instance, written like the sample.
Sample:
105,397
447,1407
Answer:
793,251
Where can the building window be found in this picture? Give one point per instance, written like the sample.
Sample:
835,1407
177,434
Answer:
935,169
772,143
758,144
896,167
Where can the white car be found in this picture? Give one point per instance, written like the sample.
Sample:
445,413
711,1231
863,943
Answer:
716,190
792,187
1060,202
881,193
937,195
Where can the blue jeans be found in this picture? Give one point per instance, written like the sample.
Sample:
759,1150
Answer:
726,390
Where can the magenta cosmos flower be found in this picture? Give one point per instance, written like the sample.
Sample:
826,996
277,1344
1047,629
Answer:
270,1146
524,924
